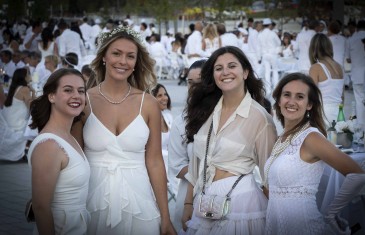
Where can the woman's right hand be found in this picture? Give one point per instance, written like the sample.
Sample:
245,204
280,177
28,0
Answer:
188,212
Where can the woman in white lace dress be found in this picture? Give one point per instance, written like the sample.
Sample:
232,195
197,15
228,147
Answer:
296,164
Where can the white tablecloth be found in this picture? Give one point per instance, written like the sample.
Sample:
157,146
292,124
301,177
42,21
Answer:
330,184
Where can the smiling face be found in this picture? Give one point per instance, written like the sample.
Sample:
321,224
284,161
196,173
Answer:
120,59
162,98
69,97
294,102
228,73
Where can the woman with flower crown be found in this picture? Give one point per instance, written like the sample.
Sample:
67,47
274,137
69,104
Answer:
121,134
296,164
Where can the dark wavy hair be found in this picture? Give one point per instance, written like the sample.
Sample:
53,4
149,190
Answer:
17,80
314,98
40,108
154,92
205,95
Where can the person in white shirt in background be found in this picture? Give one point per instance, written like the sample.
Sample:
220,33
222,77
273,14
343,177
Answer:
167,40
34,60
253,47
17,60
159,54
179,151
70,41
87,34
7,63
108,26
193,48
32,38
322,27
96,29
144,30
355,55
338,42
227,39
243,39
302,45
269,46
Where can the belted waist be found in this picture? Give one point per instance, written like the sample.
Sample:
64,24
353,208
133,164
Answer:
292,192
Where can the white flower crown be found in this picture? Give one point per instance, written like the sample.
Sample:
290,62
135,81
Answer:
103,36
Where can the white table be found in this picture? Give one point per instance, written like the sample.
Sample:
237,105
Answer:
330,184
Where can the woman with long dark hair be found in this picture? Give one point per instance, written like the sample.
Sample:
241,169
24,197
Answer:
232,133
14,116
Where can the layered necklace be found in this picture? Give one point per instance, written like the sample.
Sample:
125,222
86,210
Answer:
279,147
115,102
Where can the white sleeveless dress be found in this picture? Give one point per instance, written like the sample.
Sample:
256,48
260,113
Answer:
13,121
121,200
69,200
293,184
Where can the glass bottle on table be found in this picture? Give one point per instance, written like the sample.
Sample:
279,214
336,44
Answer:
341,115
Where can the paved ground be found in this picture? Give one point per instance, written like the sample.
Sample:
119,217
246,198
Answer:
15,183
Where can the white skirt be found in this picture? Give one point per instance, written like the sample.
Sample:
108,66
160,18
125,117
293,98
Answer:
247,212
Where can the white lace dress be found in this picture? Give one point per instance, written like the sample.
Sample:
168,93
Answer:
293,184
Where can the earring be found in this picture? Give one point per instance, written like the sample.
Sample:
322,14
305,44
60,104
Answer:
133,70
308,116
104,63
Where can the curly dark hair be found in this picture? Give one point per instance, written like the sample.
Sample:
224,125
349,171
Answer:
40,108
205,95
314,98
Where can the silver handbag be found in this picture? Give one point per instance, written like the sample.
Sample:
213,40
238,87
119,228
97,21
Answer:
213,206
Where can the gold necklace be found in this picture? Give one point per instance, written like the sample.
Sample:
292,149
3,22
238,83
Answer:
279,147
115,102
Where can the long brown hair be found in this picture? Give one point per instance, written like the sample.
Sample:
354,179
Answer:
314,98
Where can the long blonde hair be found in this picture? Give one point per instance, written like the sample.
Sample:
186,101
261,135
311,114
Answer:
143,77
210,31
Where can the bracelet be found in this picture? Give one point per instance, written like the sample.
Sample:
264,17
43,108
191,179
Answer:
188,203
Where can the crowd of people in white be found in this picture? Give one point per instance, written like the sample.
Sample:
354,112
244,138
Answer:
30,53
42,47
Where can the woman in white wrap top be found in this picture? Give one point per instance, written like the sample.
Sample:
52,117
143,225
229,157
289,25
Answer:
242,137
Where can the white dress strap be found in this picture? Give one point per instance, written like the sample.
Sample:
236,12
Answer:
140,109
17,89
324,67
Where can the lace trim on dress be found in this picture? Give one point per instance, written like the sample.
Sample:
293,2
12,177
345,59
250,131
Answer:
59,145
297,192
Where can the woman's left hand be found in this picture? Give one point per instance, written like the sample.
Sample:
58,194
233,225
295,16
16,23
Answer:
167,228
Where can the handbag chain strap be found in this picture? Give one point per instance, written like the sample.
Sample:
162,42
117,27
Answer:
206,165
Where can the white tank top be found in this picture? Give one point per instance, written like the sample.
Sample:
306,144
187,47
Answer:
331,88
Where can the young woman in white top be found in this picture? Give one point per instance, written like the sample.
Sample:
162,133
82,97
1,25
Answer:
164,101
228,101
327,74
60,170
